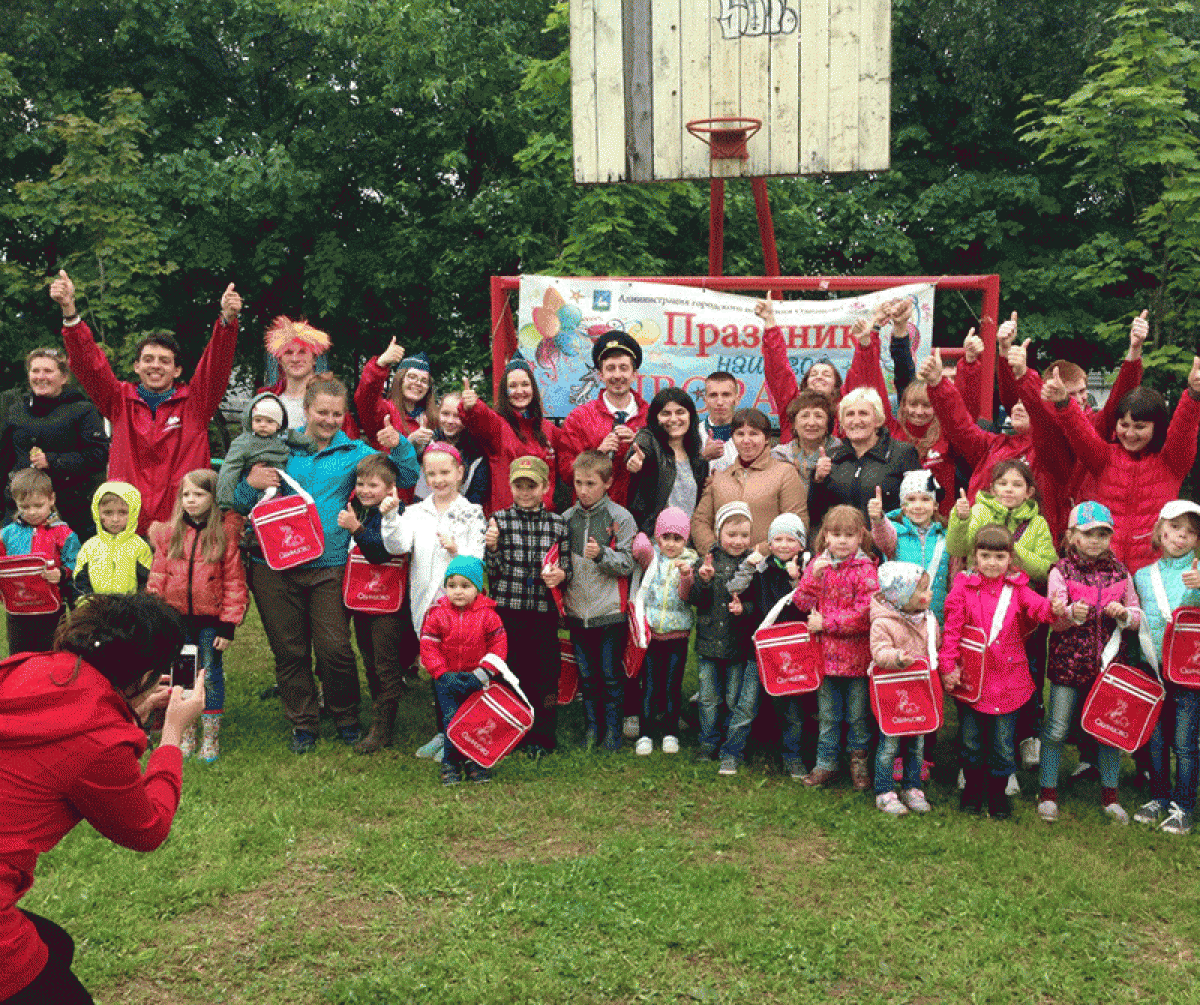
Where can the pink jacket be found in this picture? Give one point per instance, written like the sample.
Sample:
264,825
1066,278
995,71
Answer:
894,635
1135,489
972,601
842,594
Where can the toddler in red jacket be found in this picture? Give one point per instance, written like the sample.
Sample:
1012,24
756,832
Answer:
459,631
198,570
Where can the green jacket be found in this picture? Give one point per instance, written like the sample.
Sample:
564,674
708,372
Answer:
1034,551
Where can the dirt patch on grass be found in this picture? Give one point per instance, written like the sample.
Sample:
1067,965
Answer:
545,848
1160,946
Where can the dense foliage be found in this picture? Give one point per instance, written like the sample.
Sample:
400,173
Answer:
371,164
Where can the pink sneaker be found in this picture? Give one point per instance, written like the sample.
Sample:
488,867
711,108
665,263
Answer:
898,770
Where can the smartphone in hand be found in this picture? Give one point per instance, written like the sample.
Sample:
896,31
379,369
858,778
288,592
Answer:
185,668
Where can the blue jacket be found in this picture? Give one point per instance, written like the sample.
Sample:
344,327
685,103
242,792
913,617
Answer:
328,476
911,548
1178,595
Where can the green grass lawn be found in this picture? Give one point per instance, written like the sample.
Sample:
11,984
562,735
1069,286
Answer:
592,878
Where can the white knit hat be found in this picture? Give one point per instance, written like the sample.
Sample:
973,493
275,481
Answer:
268,408
731,509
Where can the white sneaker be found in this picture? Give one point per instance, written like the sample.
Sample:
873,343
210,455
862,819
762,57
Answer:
631,728
1178,821
1031,753
1013,788
962,780
915,800
1116,811
643,747
1048,810
890,803
670,745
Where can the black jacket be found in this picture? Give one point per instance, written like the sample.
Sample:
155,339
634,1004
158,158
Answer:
853,479
650,488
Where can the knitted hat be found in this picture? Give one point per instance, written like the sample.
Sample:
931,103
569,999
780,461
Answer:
268,408
673,520
529,467
285,332
442,447
729,510
615,341
418,362
518,362
467,566
919,483
898,582
788,525
1090,515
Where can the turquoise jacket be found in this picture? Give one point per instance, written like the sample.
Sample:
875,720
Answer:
1178,595
328,476
913,546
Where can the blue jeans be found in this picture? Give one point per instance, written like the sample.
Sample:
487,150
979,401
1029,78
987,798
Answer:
1186,703
890,747
841,699
598,652
996,731
736,683
452,689
1060,711
665,661
790,715
213,663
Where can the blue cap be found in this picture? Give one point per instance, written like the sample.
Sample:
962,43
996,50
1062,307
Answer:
468,566
1089,515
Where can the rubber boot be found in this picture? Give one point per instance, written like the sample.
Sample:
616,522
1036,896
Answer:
860,774
210,736
999,807
383,722
970,800
187,742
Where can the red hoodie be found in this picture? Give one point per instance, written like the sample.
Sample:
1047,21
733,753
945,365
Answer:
69,751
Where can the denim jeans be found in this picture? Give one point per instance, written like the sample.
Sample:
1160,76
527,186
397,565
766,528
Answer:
996,731
789,713
912,749
1186,702
1060,711
736,683
452,689
598,653
841,699
665,662
213,663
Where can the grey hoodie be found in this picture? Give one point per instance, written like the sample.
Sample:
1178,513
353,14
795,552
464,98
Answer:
249,449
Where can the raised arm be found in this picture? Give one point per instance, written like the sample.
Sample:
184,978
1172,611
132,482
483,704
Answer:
968,377
211,379
781,381
971,442
84,357
1091,450
1179,450
1128,377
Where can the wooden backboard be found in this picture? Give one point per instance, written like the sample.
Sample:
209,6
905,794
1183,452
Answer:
816,72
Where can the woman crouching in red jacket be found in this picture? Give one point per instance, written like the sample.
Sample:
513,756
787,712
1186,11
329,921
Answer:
70,744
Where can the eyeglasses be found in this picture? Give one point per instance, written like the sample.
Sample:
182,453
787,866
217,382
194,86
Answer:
56,353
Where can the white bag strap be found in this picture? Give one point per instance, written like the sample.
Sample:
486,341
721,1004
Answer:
497,664
1001,612
1149,649
292,483
775,611
1109,653
939,550
931,641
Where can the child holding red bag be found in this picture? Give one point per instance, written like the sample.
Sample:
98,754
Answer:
996,599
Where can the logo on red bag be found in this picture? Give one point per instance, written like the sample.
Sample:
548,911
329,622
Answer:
290,538
1116,715
905,706
481,738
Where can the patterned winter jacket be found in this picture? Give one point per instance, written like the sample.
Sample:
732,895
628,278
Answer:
1075,649
841,593
665,591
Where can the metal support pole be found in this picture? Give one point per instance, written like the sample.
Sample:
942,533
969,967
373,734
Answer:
766,227
716,226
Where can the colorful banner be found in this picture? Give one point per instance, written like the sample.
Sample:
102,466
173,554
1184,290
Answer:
687,333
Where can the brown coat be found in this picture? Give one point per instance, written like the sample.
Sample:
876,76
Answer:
768,486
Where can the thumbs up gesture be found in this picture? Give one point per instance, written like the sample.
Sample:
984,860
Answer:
491,539
972,347
930,370
706,569
792,568
421,436
348,521
231,304
392,355
389,435
635,459
766,311
591,549
1055,391
447,541
468,396
1139,331
1018,358
861,330
824,465
1194,376
1191,578
962,507
1005,335
390,501
875,506
62,292
735,604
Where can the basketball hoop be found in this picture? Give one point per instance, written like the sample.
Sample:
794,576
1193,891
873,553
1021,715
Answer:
726,137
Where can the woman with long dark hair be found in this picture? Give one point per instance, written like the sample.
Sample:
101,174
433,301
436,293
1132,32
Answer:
517,428
666,463
71,739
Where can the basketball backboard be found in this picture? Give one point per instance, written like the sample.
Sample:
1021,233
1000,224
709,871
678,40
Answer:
816,72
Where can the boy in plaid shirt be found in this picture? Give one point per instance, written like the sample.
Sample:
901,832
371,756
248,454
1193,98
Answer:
520,582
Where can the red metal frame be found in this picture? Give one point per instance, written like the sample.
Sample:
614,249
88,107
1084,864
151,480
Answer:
504,333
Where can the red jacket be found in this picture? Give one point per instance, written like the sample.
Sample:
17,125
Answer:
501,446
152,451
455,641
972,600
69,751
196,587
1135,488
373,406
585,427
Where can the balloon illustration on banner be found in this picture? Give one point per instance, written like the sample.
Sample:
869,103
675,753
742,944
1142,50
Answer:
555,331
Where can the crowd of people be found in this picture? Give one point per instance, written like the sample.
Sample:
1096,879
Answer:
894,534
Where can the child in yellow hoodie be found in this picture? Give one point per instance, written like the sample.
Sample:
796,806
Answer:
116,560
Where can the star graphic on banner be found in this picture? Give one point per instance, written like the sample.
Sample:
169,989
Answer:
576,295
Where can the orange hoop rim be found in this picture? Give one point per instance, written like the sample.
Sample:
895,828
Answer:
726,136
